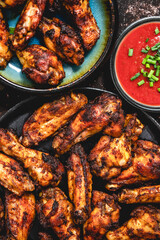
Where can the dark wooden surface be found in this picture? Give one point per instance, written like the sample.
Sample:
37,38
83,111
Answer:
127,11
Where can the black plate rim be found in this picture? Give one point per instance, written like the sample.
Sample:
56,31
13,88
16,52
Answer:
49,91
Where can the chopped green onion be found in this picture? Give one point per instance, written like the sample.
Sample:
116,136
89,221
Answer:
152,57
157,72
155,66
147,40
155,78
151,61
130,52
158,58
150,73
151,84
144,51
158,89
141,83
151,80
145,74
142,70
156,30
144,61
148,48
148,56
135,76
147,65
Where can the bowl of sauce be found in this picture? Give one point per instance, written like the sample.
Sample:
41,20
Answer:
135,64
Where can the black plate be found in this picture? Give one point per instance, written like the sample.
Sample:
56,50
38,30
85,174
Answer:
16,116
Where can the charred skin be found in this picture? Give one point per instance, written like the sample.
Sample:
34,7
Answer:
79,184
54,5
80,12
44,236
42,167
62,39
145,166
13,177
110,156
1,215
144,224
93,118
5,53
55,210
41,65
11,3
20,213
105,215
47,119
27,23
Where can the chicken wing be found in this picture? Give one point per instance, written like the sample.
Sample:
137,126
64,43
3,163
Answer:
110,156
79,184
80,12
62,39
27,23
42,167
20,213
93,118
41,65
104,215
5,53
44,236
13,177
54,208
149,194
11,3
144,224
145,166
1,215
46,120
54,5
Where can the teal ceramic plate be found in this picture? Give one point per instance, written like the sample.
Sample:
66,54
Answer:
104,13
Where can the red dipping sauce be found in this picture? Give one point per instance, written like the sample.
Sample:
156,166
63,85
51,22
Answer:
126,67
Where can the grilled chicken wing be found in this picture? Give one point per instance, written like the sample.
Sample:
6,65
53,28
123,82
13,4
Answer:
149,194
11,3
13,177
145,166
93,118
44,236
1,215
41,65
104,215
110,156
42,167
46,120
20,213
63,40
54,5
55,209
79,184
5,53
81,14
144,224
27,23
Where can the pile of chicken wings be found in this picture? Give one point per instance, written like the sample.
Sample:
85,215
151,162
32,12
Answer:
62,42
126,167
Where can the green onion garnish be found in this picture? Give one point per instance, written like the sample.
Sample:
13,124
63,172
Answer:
156,30
142,70
148,48
130,52
157,72
135,76
151,84
147,65
141,83
147,40
151,61
158,89
150,73
155,78
144,51
144,61
145,74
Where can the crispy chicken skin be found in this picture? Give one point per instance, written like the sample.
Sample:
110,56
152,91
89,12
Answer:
5,53
11,3
144,224
111,155
41,65
83,18
54,5
42,167
104,215
27,23
62,39
93,118
20,213
13,177
148,194
54,208
1,215
47,119
145,166
44,236
79,183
